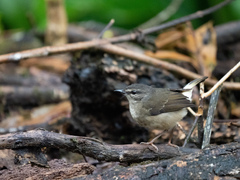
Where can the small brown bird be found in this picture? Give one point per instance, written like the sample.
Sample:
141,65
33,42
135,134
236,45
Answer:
159,108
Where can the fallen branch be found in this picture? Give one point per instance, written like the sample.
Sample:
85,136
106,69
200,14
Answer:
51,50
32,96
90,147
212,163
113,49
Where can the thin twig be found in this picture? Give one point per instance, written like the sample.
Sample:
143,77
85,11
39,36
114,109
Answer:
226,120
181,128
190,17
192,112
112,21
236,125
221,81
50,50
200,119
163,15
191,131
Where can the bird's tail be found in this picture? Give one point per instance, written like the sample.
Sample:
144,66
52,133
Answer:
190,86
195,82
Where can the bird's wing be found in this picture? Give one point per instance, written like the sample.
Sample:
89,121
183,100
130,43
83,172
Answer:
169,101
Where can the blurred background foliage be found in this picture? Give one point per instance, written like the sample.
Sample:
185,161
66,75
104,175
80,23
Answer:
26,14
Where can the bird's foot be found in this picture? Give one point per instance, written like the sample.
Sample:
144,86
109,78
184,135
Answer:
154,147
174,145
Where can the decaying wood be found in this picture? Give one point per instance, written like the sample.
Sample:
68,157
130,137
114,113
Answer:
58,169
215,161
210,163
32,96
90,147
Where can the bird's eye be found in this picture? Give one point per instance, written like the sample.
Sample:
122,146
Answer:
133,92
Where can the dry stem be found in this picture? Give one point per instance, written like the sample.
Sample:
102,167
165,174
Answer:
221,81
113,49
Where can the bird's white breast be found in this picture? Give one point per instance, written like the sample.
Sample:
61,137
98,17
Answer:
163,121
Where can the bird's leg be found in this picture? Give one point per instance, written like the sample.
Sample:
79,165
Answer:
181,128
152,141
170,139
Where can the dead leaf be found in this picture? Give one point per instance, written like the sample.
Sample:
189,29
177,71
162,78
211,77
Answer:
202,44
199,45
169,55
235,109
207,43
56,64
168,37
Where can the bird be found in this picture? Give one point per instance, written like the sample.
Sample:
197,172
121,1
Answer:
159,108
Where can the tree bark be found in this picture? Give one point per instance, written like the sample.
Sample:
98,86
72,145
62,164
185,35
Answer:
218,162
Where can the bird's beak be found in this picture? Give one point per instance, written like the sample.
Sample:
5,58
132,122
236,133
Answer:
120,90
